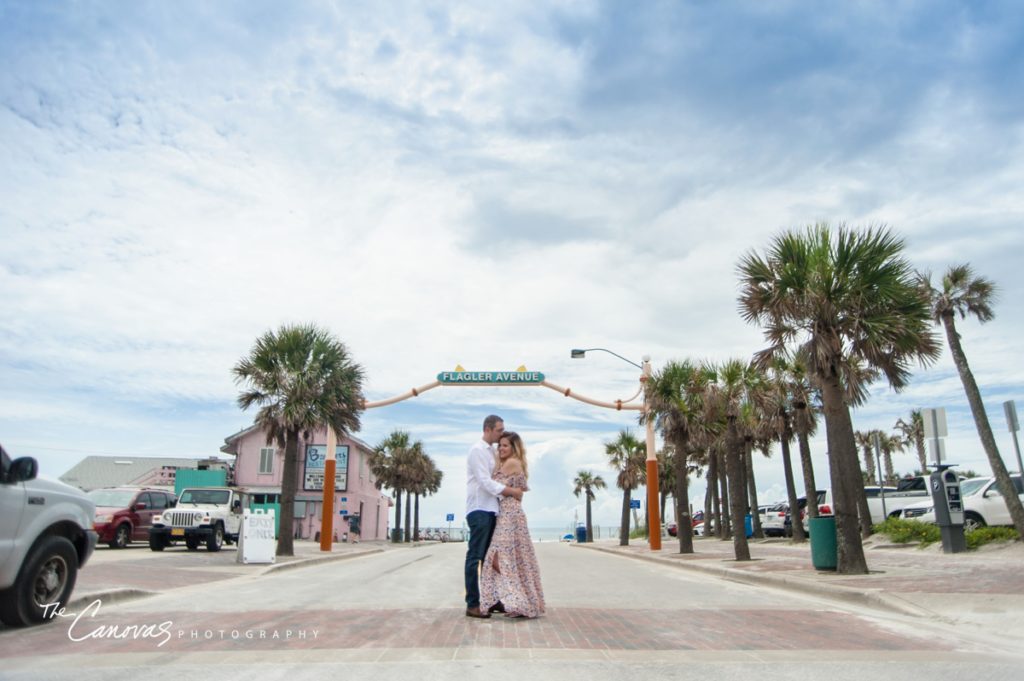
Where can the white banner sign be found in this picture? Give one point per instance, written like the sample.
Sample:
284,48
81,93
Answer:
256,540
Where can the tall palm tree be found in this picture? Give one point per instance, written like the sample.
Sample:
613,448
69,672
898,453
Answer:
586,483
628,456
912,433
728,394
392,464
302,379
427,482
674,397
889,444
962,293
845,296
864,441
806,406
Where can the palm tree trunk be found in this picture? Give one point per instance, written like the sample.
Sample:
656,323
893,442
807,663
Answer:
869,466
662,498
724,528
624,522
787,467
863,512
755,517
890,472
734,469
684,521
408,512
845,476
590,526
1002,475
810,487
416,520
710,495
922,458
397,532
289,483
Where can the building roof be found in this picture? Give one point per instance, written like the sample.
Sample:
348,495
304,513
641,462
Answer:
94,472
231,441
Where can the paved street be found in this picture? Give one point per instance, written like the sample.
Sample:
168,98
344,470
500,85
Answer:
397,612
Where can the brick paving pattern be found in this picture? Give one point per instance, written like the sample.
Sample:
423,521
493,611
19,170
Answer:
562,628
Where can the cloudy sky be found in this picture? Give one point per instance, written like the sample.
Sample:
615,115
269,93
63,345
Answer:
484,184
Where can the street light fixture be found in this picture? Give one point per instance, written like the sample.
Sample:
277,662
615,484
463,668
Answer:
653,512
576,353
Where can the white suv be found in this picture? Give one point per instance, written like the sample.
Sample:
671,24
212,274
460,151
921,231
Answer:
210,515
46,536
983,504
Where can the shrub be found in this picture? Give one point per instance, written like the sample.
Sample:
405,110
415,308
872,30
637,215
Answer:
638,533
905,531
987,535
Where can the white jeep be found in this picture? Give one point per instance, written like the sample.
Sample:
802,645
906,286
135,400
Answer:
210,515
46,536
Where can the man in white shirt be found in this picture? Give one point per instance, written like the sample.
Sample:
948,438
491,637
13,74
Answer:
482,493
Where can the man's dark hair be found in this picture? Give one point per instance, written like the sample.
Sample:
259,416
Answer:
492,421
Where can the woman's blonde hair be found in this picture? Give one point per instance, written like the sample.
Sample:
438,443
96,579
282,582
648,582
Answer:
518,448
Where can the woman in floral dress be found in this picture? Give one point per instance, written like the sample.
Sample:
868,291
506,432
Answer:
510,575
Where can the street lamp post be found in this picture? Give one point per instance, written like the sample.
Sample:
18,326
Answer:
653,511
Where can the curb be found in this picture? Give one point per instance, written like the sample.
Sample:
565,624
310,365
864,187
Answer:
316,560
873,599
109,596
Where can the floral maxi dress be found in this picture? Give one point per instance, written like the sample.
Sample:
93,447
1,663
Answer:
516,583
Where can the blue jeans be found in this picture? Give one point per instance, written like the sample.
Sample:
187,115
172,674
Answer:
481,527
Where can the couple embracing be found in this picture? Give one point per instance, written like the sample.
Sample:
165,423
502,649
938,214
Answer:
501,566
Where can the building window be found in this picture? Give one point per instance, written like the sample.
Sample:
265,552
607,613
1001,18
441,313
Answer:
266,460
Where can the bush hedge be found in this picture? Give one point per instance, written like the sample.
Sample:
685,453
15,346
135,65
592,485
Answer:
907,531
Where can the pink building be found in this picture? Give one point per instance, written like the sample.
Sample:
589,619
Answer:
361,510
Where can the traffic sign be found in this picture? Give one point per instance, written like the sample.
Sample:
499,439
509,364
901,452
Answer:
450,518
634,503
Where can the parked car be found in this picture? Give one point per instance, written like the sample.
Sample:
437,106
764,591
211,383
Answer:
46,537
983,504
773,519
125,514
671,528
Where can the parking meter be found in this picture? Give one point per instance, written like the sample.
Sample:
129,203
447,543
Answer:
949,508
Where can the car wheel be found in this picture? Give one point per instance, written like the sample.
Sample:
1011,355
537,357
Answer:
973,521
216,540
121,536
157,543
44,583
192,543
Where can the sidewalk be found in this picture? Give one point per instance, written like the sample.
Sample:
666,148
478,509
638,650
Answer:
984,587
137,572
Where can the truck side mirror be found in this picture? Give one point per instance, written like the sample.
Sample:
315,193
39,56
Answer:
23,469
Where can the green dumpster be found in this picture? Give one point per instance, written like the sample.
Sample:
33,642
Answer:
823,542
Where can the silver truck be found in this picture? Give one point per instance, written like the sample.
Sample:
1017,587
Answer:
46,536
203,515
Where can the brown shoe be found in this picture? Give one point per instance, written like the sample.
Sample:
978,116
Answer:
475,612
497,607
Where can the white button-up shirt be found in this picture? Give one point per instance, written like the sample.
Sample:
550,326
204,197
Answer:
482,491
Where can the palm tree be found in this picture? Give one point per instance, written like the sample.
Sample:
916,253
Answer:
675,401
864,441
779,410
847,297
666,478
302,379
963,293
889,444
628,456
913,435
806,406
392,464
428,482
586,482
728,394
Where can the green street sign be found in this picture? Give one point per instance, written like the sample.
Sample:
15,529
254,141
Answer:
490,377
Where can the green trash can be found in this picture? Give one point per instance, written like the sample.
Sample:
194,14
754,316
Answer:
823,542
